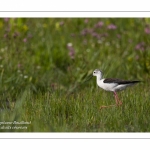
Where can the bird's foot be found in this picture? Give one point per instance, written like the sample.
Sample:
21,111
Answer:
106,106
102,107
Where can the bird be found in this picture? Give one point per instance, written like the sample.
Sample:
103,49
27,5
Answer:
113,85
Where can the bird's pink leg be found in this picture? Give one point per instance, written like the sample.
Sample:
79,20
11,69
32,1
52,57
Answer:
118,101
110,105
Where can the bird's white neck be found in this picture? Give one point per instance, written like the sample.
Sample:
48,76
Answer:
99,77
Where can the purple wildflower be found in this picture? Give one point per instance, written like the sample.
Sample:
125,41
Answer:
112,27
5,35
25,40
94,34
6,19
86,31
61,23
86,21
83,32
140,46
99,24
147,30
71,50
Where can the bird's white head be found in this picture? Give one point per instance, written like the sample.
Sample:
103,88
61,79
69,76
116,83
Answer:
98,73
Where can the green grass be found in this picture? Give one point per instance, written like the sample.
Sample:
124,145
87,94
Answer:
81,112
42,84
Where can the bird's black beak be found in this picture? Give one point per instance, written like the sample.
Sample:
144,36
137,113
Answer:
89,77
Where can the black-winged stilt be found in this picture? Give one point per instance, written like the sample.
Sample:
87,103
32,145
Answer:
113,85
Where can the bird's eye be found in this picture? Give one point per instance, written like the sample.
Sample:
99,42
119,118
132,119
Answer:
94,71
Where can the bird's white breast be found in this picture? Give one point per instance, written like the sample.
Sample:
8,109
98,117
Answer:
106,86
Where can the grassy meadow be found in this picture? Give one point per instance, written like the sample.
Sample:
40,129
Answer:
45,74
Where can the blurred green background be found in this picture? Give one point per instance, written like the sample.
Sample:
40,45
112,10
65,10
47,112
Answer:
45,69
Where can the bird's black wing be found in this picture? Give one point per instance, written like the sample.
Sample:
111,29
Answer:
119,81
